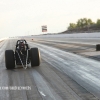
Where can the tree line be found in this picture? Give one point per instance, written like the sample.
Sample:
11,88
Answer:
84,23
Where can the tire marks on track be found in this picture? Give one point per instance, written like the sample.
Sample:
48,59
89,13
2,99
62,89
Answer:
76,67
45,83
44,89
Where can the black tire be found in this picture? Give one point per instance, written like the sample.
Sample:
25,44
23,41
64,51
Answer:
9,59
98,47
35,57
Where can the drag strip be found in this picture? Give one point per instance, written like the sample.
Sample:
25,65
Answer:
84,71
51,80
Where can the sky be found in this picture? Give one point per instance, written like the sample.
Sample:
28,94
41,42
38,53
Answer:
25,17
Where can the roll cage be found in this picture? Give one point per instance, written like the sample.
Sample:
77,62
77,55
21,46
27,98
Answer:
22,41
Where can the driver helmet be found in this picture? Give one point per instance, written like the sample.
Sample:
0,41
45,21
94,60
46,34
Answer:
22,45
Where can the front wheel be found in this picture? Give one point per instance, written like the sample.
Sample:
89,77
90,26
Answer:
9,59
35,57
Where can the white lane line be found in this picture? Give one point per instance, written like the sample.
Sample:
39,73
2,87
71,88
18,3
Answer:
42,93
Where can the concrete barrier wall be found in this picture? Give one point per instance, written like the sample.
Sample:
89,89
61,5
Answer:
75,35
1,39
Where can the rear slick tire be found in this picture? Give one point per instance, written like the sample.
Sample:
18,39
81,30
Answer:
9,59
35,57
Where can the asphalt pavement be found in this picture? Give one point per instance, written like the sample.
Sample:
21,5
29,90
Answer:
60,76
